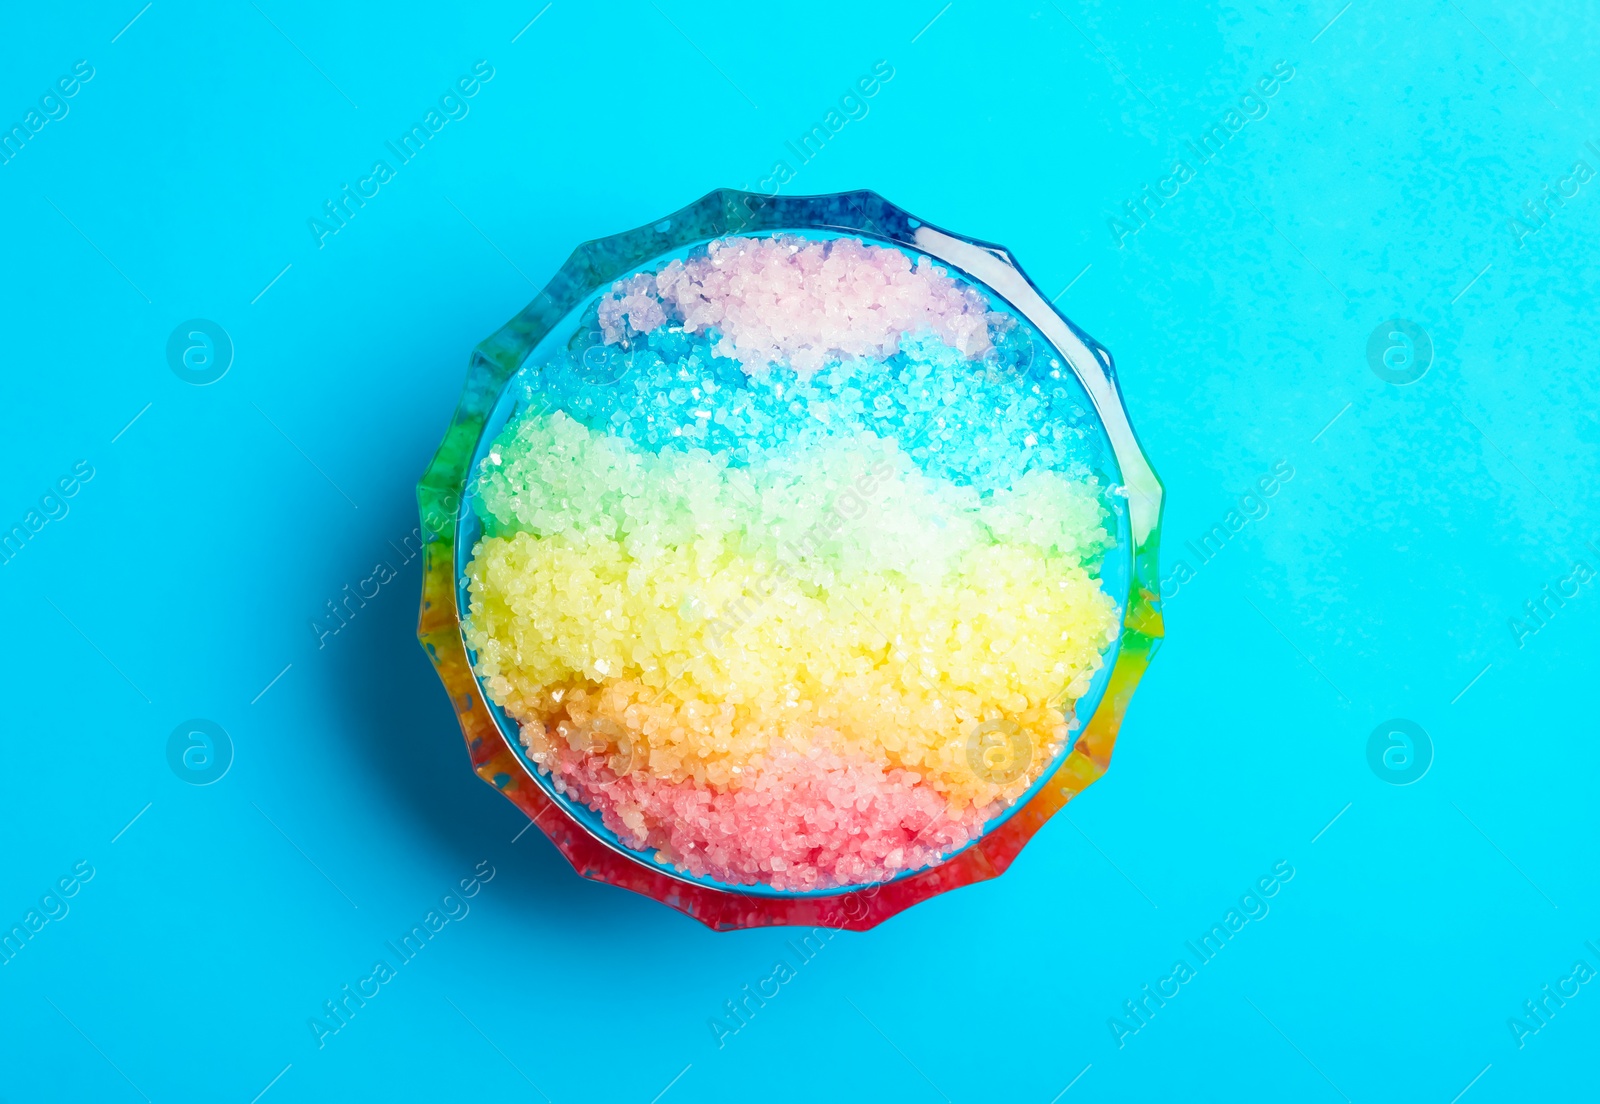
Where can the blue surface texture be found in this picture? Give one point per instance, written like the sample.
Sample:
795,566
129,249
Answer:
1339,255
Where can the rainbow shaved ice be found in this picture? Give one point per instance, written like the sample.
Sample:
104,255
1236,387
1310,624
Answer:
793,576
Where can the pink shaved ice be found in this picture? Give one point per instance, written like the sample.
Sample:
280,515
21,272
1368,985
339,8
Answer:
806,819
789,299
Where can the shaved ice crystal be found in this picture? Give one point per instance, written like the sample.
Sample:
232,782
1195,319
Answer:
802,302
806,598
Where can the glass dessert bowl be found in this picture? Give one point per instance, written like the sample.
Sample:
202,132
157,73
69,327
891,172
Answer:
790,560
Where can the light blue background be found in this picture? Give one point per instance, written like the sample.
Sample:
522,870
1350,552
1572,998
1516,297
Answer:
189,569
